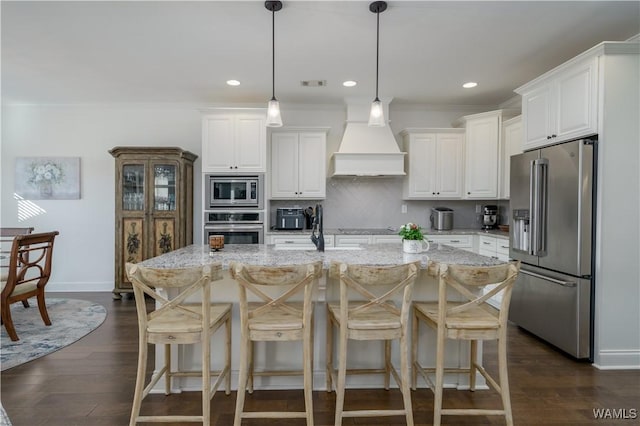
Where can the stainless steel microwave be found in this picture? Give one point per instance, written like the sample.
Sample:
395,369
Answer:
232,191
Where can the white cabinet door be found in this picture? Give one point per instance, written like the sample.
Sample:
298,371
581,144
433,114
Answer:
450,151
218,143
250,143
435,163
481,172
312,165
539,115
421,156
511,145
577,104
234,143
284,165
298,165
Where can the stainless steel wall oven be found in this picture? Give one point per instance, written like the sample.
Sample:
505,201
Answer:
237,226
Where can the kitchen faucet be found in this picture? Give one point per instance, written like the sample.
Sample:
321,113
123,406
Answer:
316,234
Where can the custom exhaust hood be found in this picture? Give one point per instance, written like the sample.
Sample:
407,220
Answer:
367,151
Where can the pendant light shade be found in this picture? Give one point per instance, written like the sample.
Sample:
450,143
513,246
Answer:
376,116
274,119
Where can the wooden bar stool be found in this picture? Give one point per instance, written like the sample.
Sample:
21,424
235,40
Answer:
174,321
275,319
472,319
372,317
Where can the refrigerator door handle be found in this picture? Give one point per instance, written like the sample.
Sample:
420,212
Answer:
538,193
532,206
546,278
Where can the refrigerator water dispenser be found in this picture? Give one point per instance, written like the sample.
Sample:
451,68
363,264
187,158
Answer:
521,236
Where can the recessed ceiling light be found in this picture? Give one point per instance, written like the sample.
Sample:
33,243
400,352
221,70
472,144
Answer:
233,82
470,84
349,83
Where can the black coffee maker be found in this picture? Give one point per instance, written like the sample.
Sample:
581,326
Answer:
489,217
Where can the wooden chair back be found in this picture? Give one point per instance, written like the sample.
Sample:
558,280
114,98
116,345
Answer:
30,260
274,286
374,287
7,236
464,279
188,282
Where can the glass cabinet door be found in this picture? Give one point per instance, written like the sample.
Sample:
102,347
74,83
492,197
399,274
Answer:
164,187
133,187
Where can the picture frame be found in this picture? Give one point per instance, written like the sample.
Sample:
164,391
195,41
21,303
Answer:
47,178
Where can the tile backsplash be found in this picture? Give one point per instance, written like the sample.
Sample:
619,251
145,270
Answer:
368,202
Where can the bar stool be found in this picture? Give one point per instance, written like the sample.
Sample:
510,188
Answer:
176,322
472,319
372,317
275,318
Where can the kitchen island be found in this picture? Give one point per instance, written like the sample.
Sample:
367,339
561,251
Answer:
287,355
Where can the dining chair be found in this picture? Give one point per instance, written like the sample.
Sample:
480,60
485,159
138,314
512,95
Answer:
175,320
366,311
6,240
275,318
27,274
472,319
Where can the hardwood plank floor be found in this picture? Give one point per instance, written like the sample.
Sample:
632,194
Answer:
91,383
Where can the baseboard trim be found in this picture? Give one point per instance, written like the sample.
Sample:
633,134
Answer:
621,359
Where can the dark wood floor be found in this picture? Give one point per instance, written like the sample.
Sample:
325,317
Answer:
91,383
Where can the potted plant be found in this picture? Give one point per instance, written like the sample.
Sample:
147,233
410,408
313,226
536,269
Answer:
413,240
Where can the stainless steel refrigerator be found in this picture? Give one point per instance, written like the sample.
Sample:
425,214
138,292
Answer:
552,234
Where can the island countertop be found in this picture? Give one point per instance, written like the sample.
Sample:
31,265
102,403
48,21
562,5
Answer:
270,255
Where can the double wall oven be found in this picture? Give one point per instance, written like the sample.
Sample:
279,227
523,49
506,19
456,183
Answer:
234,208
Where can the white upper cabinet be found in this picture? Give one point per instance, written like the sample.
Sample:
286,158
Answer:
298,165
482,165
562,105
234,142
511,145
434,163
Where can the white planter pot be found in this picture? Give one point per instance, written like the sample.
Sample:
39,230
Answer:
415,246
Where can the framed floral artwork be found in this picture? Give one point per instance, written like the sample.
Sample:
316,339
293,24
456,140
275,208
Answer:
48,178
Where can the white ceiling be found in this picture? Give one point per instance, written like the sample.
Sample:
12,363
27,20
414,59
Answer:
183,52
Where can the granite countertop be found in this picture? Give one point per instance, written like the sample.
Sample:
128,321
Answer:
268,255
392,231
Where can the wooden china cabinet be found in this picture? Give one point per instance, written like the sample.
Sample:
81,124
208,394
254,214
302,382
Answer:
154,205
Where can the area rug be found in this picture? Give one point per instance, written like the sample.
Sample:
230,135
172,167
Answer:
71,319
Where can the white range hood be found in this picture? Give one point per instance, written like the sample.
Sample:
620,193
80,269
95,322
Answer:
367,151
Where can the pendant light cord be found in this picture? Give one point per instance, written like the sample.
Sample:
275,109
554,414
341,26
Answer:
273,55
377,49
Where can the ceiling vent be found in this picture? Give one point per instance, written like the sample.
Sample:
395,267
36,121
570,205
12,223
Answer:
313,83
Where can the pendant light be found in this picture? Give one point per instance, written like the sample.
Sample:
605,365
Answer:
376,116
274,119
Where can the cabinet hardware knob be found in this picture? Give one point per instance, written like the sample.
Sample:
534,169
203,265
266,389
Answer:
438,193
548,137
433,193
231,167
235,167
554,136
468,193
